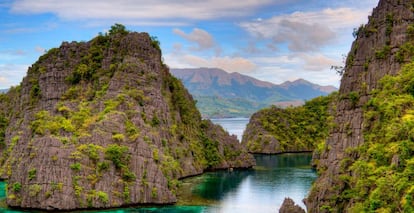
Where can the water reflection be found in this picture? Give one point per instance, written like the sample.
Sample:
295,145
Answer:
216,185
260,190
288,160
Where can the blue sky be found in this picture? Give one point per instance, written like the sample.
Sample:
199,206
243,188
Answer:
272,40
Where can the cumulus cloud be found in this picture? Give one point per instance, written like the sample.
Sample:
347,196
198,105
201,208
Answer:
140,9
306,31
11,74
201,38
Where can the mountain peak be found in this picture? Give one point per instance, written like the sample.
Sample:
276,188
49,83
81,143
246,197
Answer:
295,82
303,82
229,92
209,76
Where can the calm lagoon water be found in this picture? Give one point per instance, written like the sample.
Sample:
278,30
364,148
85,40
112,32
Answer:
257,190
235,126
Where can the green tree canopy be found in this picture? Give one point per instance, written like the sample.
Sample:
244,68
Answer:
118,29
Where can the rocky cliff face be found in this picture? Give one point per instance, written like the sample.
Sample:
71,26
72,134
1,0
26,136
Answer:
103,124
380,49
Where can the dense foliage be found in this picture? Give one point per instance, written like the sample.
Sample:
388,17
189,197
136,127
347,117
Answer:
293,129
382,177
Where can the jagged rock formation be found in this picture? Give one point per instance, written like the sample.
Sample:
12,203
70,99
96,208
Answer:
297,129
381,47
289,206
103,124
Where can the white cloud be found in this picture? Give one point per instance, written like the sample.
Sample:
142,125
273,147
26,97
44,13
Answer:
317,62
229,64
282,61
11,55
313,67
40,49
140,9
307,31
11,74
277,75
3,80
201,38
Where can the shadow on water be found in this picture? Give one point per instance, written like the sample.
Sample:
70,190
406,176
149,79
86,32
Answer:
211,188
288,160
217,184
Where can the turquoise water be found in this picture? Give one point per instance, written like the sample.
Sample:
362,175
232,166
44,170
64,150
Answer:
258,190
262,189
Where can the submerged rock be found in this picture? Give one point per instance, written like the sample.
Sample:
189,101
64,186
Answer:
102,124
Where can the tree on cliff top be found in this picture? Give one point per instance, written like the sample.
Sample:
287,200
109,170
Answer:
118,29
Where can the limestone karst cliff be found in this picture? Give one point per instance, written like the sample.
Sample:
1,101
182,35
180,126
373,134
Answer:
366,162
103,124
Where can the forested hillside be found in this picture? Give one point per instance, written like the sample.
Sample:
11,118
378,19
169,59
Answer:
293,129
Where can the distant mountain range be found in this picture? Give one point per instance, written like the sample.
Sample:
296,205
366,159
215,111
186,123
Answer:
3,90
222,94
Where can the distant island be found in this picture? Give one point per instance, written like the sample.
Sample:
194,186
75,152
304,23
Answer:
221,94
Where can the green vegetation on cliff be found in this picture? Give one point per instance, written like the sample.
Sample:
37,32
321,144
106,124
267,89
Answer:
383,169
303,128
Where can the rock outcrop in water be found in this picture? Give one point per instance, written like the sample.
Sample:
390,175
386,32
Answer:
103,124
295,129
289,206
362,169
